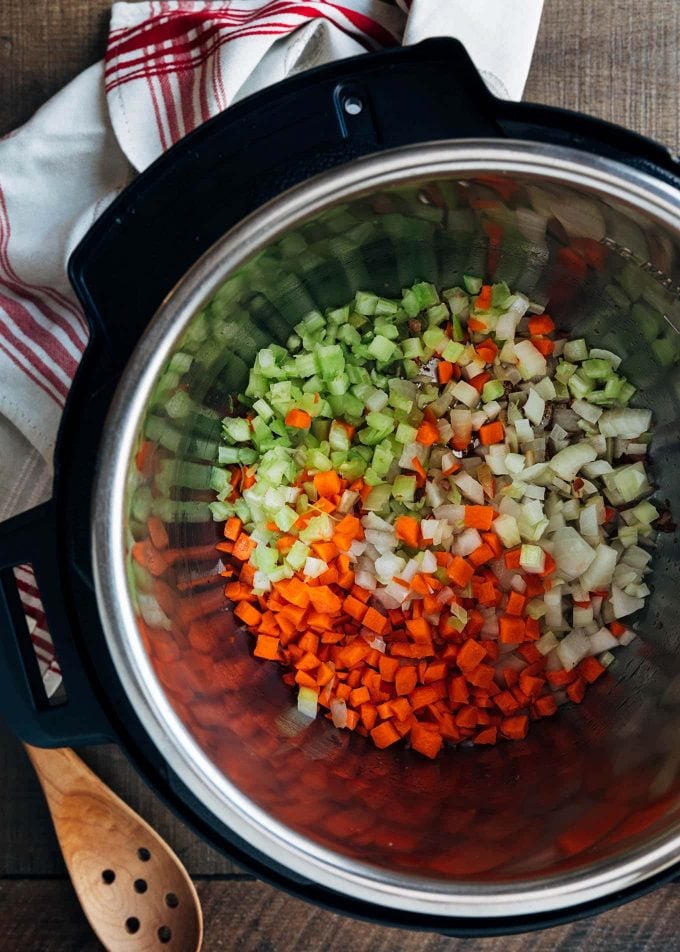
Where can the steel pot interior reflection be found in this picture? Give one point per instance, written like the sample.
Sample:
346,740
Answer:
589,802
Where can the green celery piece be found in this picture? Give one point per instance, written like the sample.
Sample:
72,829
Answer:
381,348
453,351
500,295
365,303
576,350
426,294
330,361
597,368
411,348
383,456
404,488
410,303
438,314
472,285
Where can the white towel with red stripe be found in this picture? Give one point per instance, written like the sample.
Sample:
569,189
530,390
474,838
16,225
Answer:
169,66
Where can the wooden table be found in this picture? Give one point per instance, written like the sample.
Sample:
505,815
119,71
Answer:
618,59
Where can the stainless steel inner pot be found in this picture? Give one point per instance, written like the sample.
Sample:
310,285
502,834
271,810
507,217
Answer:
589,803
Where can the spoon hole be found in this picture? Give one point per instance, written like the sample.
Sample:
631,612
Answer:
144,854
140,885
108,876
132,925
164,934
171,901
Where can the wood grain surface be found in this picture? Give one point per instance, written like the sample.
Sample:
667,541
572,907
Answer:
617,59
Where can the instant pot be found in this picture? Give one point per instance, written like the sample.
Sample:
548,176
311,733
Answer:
369,173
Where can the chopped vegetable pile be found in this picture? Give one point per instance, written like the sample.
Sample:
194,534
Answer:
435,514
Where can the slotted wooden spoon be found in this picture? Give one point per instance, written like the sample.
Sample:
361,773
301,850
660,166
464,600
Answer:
134,890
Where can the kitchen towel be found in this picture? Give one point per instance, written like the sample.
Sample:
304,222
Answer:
169,66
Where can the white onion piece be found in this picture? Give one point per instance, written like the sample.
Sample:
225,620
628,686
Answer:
625,422
547,642
467,542
470,488
600,572
366,580
624,604
573,648
572,554
314,567
388,566
534,408
307,701
602,640
339,712
568,461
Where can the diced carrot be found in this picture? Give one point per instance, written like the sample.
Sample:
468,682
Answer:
466,717
486,736
483,299
541,324
354,608
388,668
483,553
427,433
375,621
327,483
299,419
511,630
248,614
560,678
427,694
576,690
479,380
418,467
474,324
470,655
324,599
545,706
515,728
359,696
590,669
493,542
369,715
491,433
407,529
384,735
232,528
444,371
543,345
405,680
516,603
426,739
481,676
267,648
487,350
617,628
479,517
244,547
459,692
459,571
511,558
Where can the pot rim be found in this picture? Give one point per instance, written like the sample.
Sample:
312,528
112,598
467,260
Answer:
282,845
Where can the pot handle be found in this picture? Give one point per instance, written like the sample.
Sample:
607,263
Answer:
31,537
259,147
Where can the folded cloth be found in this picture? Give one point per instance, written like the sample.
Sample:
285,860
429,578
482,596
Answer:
169,66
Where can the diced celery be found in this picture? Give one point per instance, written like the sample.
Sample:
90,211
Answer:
576,350
381,348
492,390
472,285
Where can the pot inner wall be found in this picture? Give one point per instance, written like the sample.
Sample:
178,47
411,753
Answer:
596,781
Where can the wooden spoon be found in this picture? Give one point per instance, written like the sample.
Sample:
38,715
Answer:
135,892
